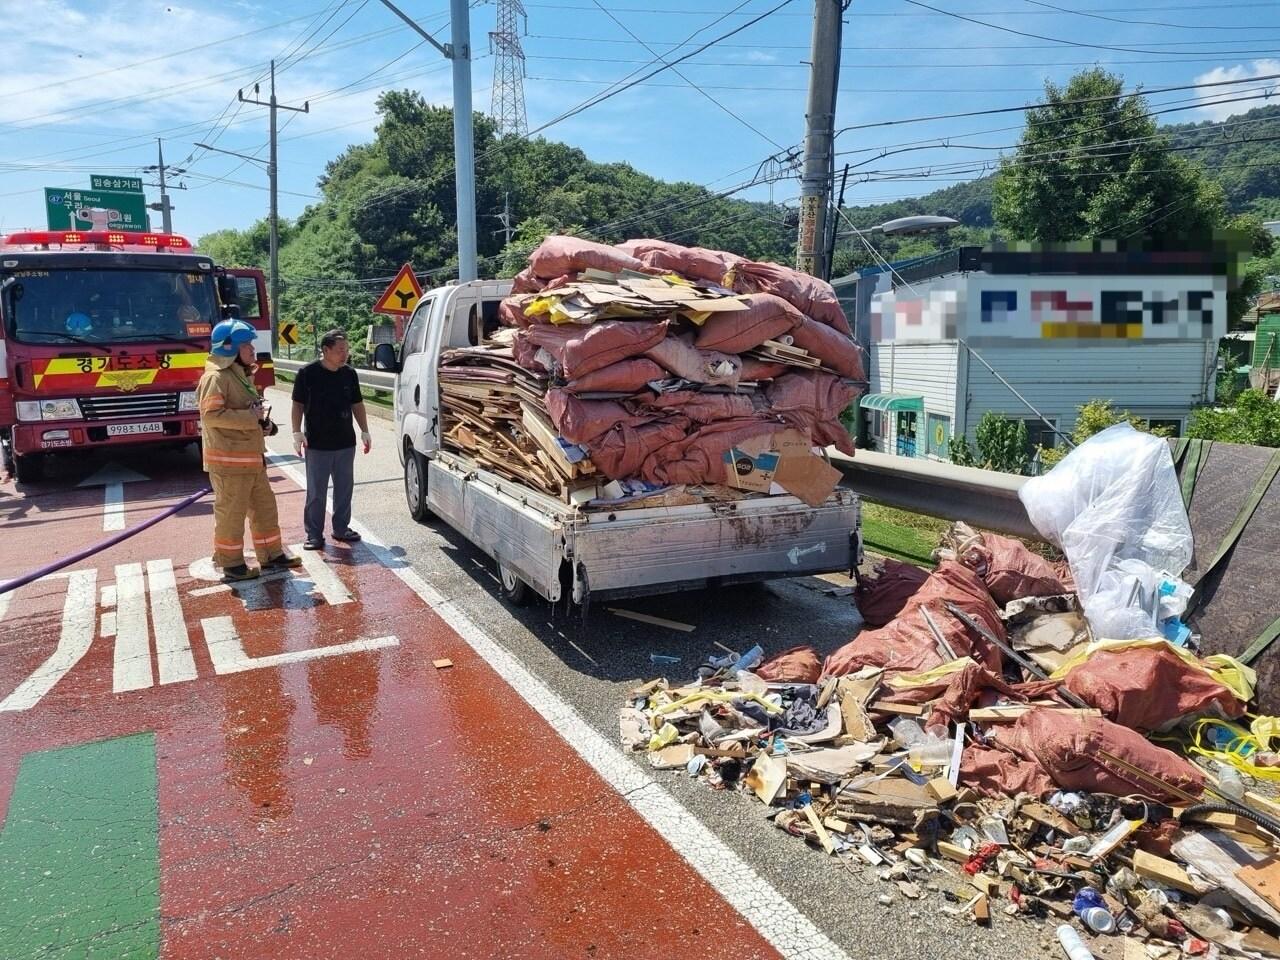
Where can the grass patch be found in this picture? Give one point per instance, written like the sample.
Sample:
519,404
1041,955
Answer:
910,537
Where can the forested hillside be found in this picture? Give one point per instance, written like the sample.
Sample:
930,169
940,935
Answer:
392,200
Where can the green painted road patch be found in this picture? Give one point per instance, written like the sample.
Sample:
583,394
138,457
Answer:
79,853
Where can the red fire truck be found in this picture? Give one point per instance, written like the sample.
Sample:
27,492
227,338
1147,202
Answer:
103,337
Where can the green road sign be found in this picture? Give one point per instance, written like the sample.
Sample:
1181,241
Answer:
98,181
95,210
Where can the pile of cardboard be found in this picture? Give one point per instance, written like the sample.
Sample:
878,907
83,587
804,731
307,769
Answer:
616,350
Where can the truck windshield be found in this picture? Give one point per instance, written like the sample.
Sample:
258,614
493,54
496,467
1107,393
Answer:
103,306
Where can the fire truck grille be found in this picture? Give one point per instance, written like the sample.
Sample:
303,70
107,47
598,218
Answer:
141,405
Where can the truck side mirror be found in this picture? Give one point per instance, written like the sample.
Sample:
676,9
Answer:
384,358
229,295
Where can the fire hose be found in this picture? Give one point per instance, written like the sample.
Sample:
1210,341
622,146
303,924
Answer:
10,585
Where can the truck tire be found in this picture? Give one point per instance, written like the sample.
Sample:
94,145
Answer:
514,590
415,484
28,467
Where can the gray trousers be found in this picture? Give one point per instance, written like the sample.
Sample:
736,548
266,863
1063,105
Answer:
323,466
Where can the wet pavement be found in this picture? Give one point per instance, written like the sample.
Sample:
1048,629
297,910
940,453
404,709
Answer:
283,770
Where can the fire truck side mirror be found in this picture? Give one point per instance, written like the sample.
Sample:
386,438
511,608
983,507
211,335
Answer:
229,296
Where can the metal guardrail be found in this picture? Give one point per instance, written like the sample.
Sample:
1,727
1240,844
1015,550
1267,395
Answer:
984,498
373,379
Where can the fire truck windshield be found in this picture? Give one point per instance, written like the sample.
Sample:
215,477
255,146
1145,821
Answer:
105,306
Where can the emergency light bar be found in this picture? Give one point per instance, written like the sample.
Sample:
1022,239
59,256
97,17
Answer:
110,238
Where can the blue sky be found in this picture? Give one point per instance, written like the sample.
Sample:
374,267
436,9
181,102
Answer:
89,85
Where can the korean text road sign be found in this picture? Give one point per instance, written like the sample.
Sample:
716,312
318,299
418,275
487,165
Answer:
402,296
95,210
98,181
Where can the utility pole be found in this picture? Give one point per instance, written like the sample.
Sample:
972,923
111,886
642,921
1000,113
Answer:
819,150
464,148
273,177
504,218
164,206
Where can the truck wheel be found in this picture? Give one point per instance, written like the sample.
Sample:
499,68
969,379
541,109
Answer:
28,467
514,590
415,484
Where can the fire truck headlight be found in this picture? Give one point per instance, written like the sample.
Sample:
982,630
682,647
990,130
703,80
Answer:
187,401
66,409
28,409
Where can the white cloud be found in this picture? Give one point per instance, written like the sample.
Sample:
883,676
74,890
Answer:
1214,98
761,56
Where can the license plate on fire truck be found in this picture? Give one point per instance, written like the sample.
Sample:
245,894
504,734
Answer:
133,429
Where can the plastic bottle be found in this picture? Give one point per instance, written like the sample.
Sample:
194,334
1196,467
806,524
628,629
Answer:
1099,919
749,660
1072,944
906,732
1229,783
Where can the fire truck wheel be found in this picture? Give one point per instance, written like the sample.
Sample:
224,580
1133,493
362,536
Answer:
28,467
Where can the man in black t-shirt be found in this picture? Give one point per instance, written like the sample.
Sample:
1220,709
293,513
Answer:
327,395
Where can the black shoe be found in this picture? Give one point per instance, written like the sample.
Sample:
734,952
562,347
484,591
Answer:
313,543
348,536
282,562
240,572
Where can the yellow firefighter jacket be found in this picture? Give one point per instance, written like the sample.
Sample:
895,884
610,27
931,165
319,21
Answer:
232,436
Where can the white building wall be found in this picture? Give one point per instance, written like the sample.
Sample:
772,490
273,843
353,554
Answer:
926,369
1152,379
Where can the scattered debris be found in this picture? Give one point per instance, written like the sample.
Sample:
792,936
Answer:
443,663
653,621
990,752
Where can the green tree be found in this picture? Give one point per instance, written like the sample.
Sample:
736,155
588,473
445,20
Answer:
1092,163
1255,419
999,444
1092,418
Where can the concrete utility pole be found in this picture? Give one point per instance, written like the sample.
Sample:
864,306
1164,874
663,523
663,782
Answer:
273,177
819,150
164,206
464,149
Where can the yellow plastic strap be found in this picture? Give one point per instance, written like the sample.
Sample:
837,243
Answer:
1239,748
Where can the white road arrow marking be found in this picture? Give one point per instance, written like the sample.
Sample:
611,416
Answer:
112,477
79,618
227,652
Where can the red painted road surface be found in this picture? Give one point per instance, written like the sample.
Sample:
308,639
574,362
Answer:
359,804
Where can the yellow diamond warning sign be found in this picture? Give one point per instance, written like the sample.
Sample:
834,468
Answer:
402,296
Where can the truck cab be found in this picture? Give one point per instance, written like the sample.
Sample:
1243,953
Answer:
557,550
104,336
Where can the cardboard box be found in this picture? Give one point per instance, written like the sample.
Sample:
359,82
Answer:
751,471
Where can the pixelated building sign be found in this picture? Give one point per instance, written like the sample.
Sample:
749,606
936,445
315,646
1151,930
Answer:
95,210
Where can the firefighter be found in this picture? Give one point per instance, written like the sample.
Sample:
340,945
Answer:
233,425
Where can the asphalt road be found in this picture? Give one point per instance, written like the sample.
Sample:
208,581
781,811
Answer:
592,661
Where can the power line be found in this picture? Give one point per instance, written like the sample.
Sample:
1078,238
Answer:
1058,103
1148,23
754,129
1024,33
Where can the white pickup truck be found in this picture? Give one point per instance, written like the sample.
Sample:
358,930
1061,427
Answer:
556,549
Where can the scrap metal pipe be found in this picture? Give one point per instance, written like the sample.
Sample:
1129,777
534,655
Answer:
983,498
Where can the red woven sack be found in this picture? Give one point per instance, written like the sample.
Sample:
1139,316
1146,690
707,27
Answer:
766,318
608,342
625,376
836,350
558,255
796,665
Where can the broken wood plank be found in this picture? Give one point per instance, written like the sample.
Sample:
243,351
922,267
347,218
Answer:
823,837
1150,867
652,621
1009,713
901,709
1263,879
940,789
442,664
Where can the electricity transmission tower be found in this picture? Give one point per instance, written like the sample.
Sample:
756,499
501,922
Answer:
507,105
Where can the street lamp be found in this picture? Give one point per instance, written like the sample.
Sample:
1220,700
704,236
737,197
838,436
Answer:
903,226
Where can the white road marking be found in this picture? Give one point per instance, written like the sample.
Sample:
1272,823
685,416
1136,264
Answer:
4,602
132,669
326,581
79,618
210,591
113,507
779,921
226,649
107,626
112,478
173,644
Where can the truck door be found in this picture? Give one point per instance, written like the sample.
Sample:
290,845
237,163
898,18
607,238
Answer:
255,309
412,396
